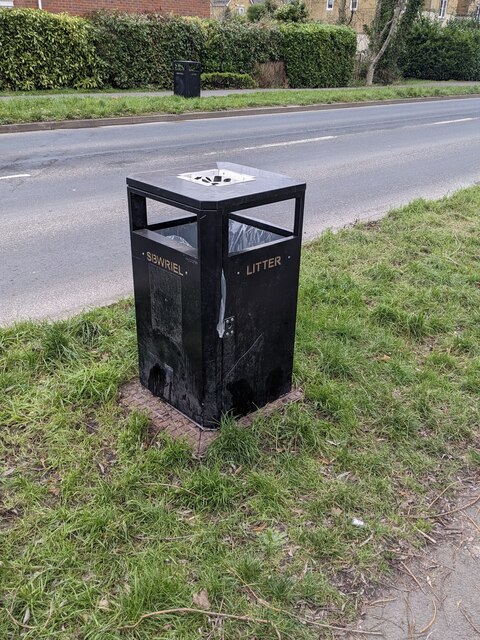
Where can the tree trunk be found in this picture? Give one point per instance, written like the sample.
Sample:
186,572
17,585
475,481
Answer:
370,73
393,23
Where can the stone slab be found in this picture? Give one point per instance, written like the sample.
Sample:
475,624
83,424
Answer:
165,418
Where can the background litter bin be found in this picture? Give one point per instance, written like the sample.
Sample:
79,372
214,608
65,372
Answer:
215,291
186,78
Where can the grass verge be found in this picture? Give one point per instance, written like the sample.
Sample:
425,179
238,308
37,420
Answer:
98,530
69,107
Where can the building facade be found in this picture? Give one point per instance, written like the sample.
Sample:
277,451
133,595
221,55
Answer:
358,13
221,9
355,13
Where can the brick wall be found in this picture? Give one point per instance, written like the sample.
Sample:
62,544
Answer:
81,7
26,4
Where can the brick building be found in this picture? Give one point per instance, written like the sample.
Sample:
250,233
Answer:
356,13
360,12
81,7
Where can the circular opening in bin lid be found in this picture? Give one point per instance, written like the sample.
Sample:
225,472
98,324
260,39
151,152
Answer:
216,177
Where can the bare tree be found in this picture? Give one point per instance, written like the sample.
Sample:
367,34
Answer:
381,36
388,34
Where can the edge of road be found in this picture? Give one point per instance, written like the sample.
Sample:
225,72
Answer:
201,115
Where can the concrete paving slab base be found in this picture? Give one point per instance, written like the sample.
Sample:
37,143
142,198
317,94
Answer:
165,418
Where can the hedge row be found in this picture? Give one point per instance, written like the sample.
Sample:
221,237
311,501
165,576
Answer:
452,52
40,50
139,50
318,55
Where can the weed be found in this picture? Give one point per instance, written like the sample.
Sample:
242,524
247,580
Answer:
132,436
55,343
166,456
272,541
235,445
208,489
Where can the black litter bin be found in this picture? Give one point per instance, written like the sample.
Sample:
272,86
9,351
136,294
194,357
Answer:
215,291
186,78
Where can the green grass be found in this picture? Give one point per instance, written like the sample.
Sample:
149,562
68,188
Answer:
70,107
97,529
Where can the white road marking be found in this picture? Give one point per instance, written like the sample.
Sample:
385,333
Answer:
452,121
18,175
285,144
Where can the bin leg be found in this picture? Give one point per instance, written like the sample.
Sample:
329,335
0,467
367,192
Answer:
299,207
210,254
137,211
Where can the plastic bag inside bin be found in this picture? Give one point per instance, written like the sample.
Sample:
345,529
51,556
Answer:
241,236
182,234
244,236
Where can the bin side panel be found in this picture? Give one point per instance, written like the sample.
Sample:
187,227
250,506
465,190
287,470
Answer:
179,85
186,83
193,86
167,301
258,345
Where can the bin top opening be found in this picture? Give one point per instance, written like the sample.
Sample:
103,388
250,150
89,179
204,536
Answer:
245,187
216,177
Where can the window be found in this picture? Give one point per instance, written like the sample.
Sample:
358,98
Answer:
477,12
353,5
443,8
329,5
240,10
5,4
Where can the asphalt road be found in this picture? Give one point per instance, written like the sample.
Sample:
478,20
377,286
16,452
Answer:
63,219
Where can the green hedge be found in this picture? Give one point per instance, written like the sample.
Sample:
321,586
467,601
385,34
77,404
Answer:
138,50
238,47
228,81
434,52
40,50
318,55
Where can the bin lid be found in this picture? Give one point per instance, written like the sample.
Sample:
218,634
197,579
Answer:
260,186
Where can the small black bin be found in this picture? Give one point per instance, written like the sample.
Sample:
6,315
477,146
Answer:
186,78
215,291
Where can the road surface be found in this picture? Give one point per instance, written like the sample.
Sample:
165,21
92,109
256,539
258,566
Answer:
63,218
